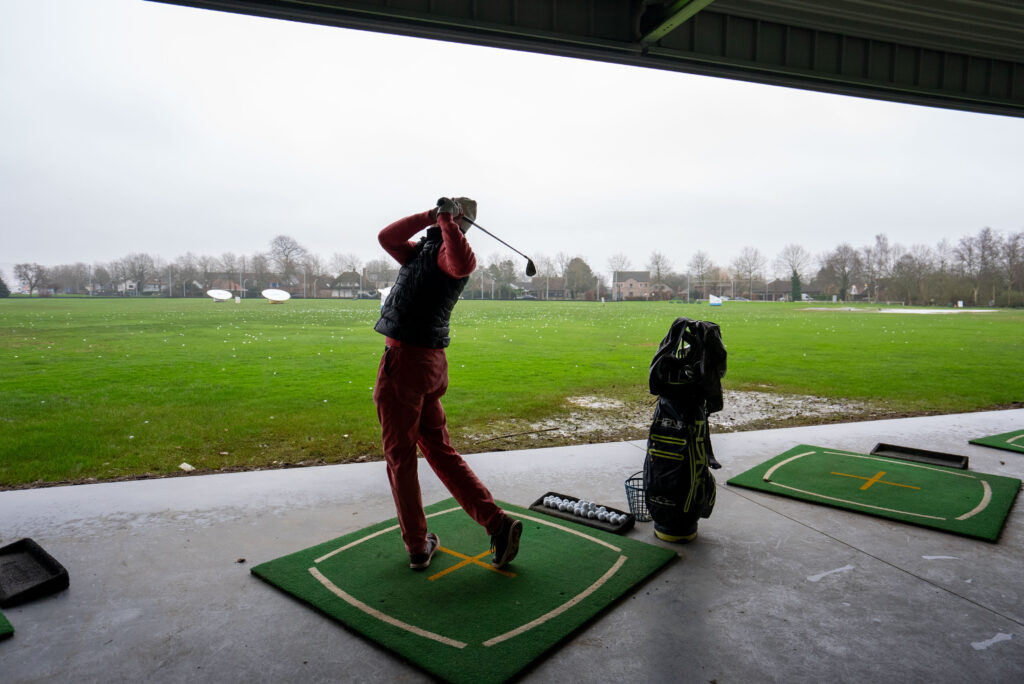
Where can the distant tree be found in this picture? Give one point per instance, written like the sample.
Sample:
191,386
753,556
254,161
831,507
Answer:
878,261
659,266
344,263
229,263
188,271
748,266
562,260
315,273
287,255
795,290
502,276
969,264
259,264
139,268
99,278
792,259
381,270
700,267
618,262
30,275
578,278
206,271
4,290
120,273
1011,260
840,268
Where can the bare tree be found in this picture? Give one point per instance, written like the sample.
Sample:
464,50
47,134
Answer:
660,267
259,264
969,264
841,267
229,262
316,271
139,268
287,255
793,259
345,262
188,270
700,267
30,275
618,262
748,266
1011,259
562,260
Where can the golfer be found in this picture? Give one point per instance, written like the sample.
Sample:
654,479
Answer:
413,376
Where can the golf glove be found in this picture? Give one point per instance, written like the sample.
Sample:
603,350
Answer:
468,211
449,206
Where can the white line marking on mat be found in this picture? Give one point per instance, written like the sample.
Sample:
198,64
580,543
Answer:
940,557
771,471
560,609
566,529
376,534
822,575
982,645
985,499
383,617
857,503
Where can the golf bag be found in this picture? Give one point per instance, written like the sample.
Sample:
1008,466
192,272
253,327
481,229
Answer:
686,375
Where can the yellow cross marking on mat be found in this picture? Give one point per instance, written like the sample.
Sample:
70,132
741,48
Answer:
877,477
469,560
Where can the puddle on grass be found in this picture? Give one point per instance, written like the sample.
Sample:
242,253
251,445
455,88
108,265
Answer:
592,419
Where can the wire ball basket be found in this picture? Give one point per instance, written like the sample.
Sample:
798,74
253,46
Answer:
635,497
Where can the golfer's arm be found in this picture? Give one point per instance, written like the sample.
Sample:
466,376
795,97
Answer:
455,257
395,238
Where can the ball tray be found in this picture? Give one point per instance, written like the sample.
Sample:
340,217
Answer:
618,528
28,572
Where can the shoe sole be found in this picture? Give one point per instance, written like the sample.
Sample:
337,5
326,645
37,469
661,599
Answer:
512,549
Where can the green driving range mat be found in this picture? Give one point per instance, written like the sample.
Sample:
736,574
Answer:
1011,441
462,619
6,629
950,499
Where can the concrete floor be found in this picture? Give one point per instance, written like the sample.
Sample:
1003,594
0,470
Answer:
773,590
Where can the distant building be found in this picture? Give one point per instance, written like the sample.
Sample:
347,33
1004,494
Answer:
631,285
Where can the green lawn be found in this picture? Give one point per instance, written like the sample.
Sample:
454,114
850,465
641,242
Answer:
113,388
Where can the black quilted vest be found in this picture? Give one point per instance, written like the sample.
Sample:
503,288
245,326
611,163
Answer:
421,301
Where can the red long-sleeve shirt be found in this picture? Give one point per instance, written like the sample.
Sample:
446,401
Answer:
455,257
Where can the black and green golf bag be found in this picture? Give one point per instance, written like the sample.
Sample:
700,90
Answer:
686,375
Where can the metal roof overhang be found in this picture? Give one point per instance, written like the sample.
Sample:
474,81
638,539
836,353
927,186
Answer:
954,54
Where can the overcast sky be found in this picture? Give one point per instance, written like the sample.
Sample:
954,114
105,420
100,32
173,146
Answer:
131,126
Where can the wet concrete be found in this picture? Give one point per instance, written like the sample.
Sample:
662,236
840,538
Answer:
773,589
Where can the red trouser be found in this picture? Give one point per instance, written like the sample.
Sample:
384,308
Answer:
410,383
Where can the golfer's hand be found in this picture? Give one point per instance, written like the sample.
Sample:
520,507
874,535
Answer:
449,206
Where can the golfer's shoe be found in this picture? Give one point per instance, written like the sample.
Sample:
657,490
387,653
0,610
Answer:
419,561
505,542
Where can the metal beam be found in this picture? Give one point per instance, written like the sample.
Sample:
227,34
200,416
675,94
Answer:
667,18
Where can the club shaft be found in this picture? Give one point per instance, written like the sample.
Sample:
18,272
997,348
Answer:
496,237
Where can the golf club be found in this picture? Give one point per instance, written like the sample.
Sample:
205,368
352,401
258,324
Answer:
531,270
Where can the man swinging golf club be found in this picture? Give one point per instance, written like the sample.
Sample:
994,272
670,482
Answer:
413,376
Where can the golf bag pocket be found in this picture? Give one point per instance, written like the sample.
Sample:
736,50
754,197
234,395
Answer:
679,488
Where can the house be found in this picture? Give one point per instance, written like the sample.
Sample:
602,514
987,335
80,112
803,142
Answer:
347,285
631,285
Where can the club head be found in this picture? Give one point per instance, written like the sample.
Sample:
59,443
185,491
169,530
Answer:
531,270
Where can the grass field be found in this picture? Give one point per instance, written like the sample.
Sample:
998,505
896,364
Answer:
120,388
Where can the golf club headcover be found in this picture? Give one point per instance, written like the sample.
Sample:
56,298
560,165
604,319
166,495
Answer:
468,207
